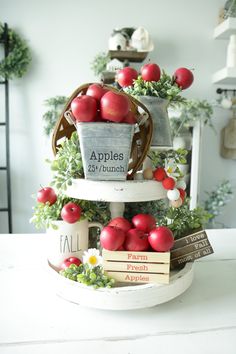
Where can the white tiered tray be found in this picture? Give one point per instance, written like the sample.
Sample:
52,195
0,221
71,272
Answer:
123,297
116,191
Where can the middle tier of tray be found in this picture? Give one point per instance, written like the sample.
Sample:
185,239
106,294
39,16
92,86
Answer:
116,191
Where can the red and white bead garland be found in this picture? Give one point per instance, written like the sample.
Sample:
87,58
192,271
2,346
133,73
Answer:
175,188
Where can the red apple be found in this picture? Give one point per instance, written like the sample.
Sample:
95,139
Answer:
47,194
151,72
71,213
126,76
144,222
96,91
161,239
183,78
112,238
130,118
114,106
71,260
84,108
121,223
136,240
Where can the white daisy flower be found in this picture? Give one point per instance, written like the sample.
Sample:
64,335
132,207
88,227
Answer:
171,168
92,257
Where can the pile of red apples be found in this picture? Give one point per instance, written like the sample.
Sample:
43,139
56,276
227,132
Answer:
141,234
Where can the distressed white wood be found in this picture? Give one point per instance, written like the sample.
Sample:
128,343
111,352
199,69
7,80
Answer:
225,29
116,191
34,320
125,297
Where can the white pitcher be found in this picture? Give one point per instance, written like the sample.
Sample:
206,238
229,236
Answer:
68,240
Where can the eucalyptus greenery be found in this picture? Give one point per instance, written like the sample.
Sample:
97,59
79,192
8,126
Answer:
218,198
45,214
55,105
94,277
182,221
165,88
192,111
67,163
18,59
99,63
159,157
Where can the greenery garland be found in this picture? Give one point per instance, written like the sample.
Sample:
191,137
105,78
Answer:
18,59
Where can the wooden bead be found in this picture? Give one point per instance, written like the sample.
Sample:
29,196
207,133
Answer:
176,203
148,173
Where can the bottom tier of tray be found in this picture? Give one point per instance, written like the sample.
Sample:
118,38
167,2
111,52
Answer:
123,297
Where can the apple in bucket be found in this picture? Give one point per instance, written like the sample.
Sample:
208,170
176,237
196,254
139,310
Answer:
183,78
114,106
84,108
126,76
151,72
96,91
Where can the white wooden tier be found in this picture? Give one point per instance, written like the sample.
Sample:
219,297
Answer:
116,191
123,297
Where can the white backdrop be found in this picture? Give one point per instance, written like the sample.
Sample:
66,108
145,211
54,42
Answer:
64,37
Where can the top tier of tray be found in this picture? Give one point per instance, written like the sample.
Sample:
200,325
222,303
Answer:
116,191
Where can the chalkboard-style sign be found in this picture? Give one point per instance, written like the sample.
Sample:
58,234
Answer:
190,248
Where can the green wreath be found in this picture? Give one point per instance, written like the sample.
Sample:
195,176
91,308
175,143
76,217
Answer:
18,59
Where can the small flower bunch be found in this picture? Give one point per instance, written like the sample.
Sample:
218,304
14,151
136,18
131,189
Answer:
90,272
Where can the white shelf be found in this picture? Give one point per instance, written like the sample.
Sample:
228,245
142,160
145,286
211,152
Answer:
226,76
225,29
116,191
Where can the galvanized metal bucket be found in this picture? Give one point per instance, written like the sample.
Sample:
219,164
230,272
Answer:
105,149
157,108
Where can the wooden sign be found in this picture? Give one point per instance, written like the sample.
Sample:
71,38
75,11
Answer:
137,267
190,248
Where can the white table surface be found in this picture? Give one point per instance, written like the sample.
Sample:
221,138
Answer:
33,319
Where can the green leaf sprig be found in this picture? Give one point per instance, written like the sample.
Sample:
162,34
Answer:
158,157
67,164
45,214
183,221
192,111
165,88
88,276
218,198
